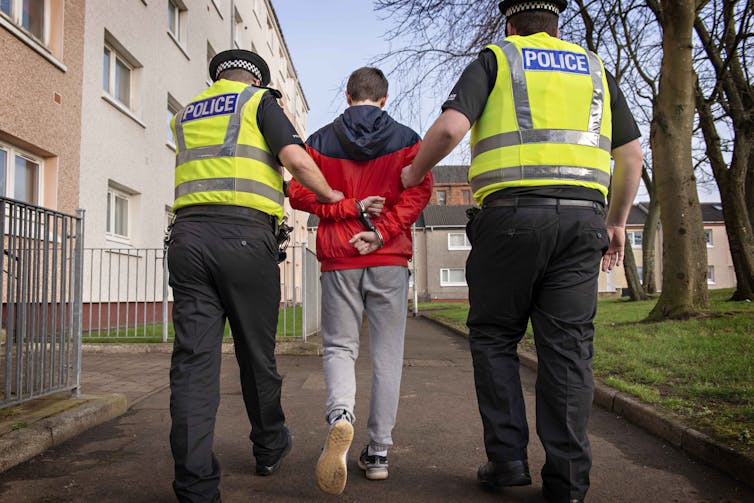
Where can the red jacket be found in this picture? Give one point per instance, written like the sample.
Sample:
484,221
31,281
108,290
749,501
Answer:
362,154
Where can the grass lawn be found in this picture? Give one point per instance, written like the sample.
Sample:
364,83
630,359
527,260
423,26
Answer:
289,327
702,369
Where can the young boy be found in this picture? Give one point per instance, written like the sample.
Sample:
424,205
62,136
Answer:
363,245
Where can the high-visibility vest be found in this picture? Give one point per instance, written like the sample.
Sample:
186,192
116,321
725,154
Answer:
547,120
221,155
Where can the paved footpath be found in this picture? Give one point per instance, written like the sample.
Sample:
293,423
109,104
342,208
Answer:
438,440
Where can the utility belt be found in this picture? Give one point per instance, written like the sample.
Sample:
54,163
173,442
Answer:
227,210
281,230
518,202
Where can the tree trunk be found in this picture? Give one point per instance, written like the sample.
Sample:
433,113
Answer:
684,252
635,289
749,188
649,236
731,182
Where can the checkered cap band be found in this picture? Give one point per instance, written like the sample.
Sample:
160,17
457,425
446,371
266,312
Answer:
532,6
238,63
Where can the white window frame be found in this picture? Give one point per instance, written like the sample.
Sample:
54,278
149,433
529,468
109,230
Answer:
211,53
119,53
709,238
466,244
445,272
49,43
113,58
10,172
113,192
173,107
177,30
710,274
632,238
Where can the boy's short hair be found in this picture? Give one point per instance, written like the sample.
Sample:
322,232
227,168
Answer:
367,83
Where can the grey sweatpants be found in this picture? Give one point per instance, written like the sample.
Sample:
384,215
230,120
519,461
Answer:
383,293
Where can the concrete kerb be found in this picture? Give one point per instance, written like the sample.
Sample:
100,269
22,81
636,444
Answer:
664,425
88,411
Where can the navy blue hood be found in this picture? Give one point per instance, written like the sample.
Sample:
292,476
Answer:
362,133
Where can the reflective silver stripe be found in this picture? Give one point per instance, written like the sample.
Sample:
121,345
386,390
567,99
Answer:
568,136
180,140
520,90
534,172
598,96
234,184
234,124
210,151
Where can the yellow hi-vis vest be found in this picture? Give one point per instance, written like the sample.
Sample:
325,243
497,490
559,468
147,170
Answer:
547,120
221,155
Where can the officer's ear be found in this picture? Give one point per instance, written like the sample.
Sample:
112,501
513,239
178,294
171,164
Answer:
383,100
349,100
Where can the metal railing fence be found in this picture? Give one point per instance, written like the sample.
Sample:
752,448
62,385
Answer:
40,284
126,294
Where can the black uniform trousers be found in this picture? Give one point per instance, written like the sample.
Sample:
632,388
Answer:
539,263
222,266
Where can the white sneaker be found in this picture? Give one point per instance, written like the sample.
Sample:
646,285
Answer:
331,468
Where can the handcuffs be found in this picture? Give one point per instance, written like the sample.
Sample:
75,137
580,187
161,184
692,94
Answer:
367,222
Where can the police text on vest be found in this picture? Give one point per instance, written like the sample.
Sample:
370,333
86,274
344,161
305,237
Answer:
555,61
209,107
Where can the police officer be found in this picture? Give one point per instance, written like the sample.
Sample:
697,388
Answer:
546,119
223,263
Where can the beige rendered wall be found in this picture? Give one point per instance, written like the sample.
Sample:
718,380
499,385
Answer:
41,102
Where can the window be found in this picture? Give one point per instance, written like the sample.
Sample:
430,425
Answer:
441,197
708,237
177,13
452,277
172,109
458,241
711,274
40,20
116,76
117,213
466,196
635,238
20,175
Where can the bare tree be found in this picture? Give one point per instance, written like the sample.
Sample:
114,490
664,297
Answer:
684,279
622,33
725,105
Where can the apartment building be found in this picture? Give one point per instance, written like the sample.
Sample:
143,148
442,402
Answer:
41,58
720,271
143,61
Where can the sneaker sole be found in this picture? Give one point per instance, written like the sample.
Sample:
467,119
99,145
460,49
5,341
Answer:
331,468
373,473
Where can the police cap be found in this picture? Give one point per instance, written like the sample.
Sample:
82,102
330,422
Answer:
512,7
242,60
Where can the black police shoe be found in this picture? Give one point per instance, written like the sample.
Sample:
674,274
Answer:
510,473
267,470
